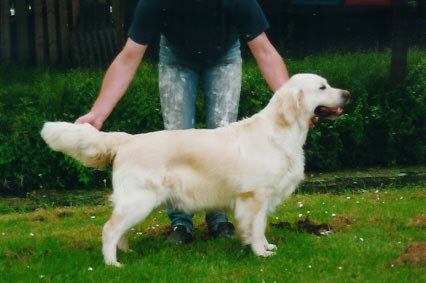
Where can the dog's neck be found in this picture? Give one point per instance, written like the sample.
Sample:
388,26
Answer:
296,130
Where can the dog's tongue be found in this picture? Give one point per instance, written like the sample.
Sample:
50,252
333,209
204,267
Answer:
337,110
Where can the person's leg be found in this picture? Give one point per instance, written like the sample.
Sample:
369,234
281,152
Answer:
222,87
178,86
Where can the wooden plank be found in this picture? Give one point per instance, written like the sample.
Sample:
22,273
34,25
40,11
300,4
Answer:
39,34
21,11
63,28
109,42
76,48
105,47
88,48
51,30
75,7
5,31
118,18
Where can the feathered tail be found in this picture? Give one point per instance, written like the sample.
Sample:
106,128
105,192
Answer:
84,142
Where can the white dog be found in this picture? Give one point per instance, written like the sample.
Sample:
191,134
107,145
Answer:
248,167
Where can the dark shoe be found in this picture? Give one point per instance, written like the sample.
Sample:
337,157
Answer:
224,229
179,235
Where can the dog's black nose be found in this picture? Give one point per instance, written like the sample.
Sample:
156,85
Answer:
345,94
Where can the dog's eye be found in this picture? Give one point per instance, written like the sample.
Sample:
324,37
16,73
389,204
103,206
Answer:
322,87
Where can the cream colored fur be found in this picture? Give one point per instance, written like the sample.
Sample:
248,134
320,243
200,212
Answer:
248,167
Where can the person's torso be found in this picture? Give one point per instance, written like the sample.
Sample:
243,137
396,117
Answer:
198,29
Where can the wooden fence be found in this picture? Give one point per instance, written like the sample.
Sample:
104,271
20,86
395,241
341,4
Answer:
81,32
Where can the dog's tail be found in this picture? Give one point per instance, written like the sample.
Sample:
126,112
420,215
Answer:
84,142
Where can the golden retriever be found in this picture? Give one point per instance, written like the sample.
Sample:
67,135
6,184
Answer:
248,167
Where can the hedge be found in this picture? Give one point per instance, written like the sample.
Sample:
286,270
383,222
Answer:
380,127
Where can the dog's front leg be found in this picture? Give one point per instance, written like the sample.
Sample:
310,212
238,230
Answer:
250,212
259,244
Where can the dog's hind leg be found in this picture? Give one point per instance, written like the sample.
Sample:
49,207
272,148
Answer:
128,212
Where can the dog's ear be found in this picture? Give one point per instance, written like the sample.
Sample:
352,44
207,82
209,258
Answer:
289,106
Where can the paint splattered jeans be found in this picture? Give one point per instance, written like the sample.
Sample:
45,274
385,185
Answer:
178,83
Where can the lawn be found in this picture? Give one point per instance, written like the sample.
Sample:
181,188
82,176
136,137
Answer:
364,238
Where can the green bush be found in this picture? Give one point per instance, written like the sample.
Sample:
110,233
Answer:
379,127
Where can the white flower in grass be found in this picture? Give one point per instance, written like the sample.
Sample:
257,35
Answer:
348,197
401,197
308,212
377,191
41,276
340,268
357,201
361,239
334,214
139,233
3,234
90,268
93,217
309,266
276,218
31,234
326,212
300,214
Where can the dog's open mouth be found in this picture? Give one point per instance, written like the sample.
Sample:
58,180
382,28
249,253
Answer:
327,112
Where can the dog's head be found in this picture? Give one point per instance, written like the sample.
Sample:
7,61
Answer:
307,95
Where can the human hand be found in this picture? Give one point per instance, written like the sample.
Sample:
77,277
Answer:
315,119
92,119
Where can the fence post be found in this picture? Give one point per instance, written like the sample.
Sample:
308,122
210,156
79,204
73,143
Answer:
63,28
51,28
118,18
39,34
22,30
75,7
5,31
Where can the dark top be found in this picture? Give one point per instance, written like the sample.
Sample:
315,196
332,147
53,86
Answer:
198,28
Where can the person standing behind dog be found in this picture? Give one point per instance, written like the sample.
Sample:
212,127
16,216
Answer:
199,41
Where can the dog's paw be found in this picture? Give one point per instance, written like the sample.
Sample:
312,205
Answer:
271,247
126,250
267,254
115,264
261,251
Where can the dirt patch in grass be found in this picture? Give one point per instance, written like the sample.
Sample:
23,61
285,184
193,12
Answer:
414,254
306,226
22,255
344,221
418,221
78,246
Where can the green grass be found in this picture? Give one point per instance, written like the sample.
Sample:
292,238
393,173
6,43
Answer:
371,230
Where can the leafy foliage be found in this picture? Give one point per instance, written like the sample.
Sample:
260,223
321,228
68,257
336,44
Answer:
380,127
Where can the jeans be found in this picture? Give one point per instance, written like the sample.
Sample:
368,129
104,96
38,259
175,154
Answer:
178,84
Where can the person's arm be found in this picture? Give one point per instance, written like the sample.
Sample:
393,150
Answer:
270,63
115,83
